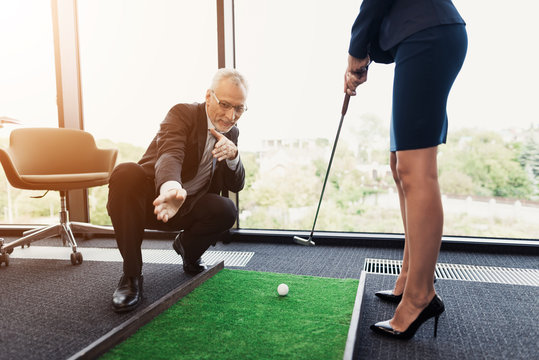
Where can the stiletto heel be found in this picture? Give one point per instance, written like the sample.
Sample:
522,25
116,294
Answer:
434,309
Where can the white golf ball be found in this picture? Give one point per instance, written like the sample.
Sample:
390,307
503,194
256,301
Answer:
282,289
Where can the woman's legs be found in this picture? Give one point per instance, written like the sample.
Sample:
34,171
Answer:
417,174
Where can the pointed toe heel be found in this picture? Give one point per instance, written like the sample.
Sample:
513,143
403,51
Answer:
433,310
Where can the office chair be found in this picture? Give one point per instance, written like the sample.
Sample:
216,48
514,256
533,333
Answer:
55,159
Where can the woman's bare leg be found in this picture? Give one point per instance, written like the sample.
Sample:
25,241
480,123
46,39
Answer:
418,175
398,289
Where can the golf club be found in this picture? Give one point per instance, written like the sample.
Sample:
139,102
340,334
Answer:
309,241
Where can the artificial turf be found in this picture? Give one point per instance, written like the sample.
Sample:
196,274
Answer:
238,314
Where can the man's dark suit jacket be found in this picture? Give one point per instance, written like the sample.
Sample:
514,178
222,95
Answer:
176,151
382,24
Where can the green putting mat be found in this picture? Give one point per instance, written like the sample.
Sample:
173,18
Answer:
239,315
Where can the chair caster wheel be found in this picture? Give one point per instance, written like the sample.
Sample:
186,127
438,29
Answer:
76,258
4,258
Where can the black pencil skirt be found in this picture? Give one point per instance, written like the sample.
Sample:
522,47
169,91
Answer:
426,65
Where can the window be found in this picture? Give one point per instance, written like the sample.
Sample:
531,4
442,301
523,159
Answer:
138,59
294,56
27,96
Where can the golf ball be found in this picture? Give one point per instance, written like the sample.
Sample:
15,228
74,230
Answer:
282,289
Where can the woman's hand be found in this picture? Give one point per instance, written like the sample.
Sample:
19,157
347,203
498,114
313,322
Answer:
356,74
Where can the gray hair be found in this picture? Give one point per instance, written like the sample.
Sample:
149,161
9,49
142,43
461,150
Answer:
228,74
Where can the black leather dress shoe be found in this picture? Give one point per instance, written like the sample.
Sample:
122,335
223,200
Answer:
195,267
128,294
190,267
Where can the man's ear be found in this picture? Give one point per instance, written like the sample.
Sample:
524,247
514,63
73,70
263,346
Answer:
208,94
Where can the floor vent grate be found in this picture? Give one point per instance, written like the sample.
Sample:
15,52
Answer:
490,274
153,256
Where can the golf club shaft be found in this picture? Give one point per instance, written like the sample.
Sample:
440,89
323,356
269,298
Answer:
343,112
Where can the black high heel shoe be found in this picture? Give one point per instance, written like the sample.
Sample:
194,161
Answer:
434,309
387,295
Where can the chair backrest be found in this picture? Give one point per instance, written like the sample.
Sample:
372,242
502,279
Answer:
54,151
41,151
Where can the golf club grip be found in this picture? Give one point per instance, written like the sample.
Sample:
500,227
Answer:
345,104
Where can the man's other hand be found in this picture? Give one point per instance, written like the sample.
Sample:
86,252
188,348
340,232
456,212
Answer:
224,148
167,204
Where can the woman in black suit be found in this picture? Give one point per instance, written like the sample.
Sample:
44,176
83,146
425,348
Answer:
427,41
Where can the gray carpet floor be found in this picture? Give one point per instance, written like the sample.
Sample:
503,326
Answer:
51,309
481,321
47,305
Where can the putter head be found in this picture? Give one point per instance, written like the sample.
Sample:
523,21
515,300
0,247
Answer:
302,241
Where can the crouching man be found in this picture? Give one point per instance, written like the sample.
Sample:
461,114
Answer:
176,186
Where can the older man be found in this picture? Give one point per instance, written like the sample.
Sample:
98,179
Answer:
177,185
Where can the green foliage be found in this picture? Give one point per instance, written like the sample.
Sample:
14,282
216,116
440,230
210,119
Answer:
322,142
456,182
481,163
97,198
286,196
367,137
250,163
359,196
529,157
126,152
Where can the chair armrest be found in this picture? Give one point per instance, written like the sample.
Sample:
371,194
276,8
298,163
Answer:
106,158
9,168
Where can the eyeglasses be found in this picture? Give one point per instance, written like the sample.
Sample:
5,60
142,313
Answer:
240,109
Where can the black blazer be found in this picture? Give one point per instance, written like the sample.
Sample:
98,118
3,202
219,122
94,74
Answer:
382,24
176,150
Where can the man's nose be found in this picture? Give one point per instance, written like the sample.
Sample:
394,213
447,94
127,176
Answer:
231,114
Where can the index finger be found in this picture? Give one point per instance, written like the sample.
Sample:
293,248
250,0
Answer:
158,200
217,135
